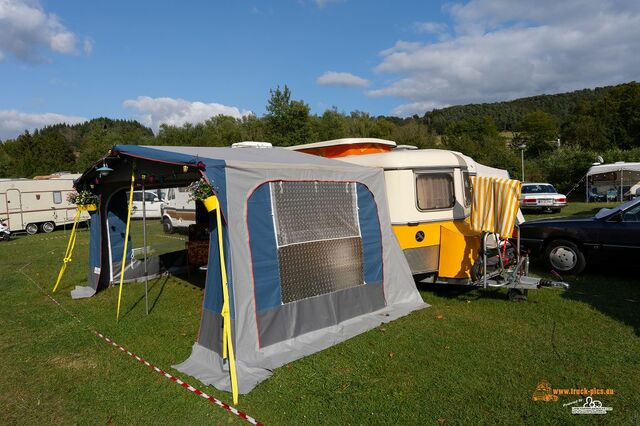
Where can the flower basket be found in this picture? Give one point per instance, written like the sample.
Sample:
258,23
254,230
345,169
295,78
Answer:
84,200
88,208
202,191
210,203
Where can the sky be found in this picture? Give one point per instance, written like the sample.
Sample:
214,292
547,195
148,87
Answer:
176,62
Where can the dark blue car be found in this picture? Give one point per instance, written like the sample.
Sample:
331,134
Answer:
567,244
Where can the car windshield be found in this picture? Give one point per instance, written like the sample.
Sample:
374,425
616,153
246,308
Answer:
543,188
624,206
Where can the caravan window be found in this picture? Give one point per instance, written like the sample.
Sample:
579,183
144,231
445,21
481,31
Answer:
435,191
57,197
466,182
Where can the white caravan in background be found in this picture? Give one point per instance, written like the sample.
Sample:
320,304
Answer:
38,204
152,205
178,211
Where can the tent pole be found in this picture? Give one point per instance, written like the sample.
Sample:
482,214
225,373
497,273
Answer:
621,183
587,188
126,241
227,340
70,246
144,241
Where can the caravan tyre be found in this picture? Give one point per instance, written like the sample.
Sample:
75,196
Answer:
31,229
167,226
47,227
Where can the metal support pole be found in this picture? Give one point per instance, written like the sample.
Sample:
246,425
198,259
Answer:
144,242
621,183
587,188
522,162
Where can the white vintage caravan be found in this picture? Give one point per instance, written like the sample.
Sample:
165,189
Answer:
178,211
38,204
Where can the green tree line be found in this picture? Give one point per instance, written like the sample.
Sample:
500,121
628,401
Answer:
559,135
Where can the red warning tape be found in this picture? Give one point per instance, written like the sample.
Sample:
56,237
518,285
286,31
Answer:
174,379
185,385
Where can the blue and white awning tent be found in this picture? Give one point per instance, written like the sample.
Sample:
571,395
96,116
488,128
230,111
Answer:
310,256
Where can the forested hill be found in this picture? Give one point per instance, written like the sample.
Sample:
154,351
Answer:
67,147
561,134
507,115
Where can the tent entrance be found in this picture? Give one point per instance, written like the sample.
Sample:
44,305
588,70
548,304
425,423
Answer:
155,248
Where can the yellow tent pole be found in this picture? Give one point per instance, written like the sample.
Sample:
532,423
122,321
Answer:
67,254
227,341
126,241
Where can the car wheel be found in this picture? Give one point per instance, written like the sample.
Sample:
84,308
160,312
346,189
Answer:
5,237
565,256
31,229
47,227
167,226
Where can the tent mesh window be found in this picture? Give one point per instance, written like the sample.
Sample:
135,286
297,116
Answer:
318,235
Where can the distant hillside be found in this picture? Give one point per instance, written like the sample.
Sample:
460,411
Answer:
508,114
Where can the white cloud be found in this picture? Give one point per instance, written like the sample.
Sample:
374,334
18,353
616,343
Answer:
153,112
344,79
323,3
26,29
87,46
13,122
438,28
502,49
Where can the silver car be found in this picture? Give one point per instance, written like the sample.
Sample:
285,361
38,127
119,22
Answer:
541,197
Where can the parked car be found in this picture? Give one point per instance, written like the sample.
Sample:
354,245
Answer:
541,197
567,244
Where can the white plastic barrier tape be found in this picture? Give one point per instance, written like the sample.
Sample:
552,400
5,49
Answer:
174,379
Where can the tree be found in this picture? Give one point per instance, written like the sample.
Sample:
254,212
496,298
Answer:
332,125
288,122
539,131
414,133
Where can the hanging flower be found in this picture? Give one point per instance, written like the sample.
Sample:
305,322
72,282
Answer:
200,190
83,198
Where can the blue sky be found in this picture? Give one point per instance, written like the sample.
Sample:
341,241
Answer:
176,62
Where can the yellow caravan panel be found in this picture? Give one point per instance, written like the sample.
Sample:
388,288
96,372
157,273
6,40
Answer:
406,234
458,250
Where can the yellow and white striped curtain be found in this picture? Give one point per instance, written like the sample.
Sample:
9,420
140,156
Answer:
495,204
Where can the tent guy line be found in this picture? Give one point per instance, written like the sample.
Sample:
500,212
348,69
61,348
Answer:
158,370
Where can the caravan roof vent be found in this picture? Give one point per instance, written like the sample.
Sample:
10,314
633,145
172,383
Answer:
251,144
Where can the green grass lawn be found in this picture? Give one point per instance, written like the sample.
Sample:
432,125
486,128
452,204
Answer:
572,209
472,358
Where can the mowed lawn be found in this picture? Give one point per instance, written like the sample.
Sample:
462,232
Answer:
471,358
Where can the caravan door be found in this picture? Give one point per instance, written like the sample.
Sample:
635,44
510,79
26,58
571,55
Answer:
14,210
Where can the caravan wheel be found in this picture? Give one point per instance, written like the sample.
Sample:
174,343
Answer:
47,227
31,229
167,226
